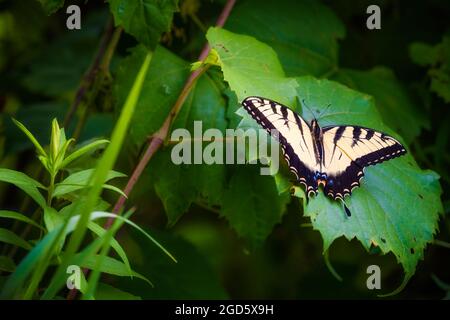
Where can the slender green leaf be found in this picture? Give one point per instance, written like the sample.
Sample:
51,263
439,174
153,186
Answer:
30,136
16,287
108,292
99,231
82,151
24,182
18,216
11,238
111,266
80,180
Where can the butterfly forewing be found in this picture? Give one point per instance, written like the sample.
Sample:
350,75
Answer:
293,133
348,149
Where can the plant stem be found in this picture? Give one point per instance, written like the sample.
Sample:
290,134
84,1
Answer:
157,139
90,75
50,189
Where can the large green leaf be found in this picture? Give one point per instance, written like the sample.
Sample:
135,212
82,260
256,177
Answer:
249,66
391,98
303,33
144,19
252,204
398,205
163,82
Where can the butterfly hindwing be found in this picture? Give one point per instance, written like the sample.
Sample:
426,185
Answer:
293,133
348,150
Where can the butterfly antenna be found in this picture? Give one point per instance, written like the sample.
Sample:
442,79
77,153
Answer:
303,103
323,111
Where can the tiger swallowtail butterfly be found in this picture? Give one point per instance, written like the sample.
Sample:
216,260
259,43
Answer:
331,156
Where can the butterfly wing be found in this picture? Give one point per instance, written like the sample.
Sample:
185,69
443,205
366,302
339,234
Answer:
293,133
348,150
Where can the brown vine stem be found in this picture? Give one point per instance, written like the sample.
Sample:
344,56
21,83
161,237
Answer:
158,138
91,73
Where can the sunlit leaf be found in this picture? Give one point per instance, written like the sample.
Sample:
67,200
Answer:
303,33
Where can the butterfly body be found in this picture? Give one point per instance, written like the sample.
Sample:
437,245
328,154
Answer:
332,157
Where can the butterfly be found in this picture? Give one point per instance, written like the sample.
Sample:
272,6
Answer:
333,157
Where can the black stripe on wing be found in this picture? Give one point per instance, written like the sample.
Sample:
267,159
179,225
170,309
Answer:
255,106
342,184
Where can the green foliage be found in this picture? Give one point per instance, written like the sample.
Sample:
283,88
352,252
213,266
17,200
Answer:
56,69
311,49
252,206
165,79
191,278
391,98
11,238
163,82
437,59
144,19
24,182
51,6
56,224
